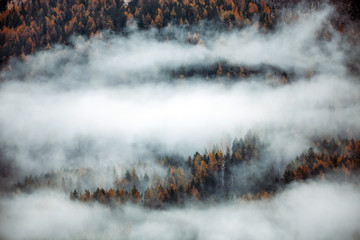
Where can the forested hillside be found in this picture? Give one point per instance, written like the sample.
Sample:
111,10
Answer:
179,119
241,173
41,23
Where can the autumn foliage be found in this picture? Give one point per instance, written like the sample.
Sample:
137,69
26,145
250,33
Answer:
238,173
37,24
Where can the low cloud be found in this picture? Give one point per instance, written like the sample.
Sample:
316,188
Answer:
112,99
317,210
48,127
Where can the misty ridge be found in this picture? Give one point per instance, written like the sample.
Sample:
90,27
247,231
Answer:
187,131
300,49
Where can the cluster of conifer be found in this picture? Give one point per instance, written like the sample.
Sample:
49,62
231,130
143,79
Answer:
340,157
32,24
242,172
210,177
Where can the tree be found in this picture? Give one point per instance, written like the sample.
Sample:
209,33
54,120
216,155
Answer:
135,196
74,195
110,193
265,195
213,164
253,8
180,177
201,172
134,177
159,19
148,199
357,149
146,20
195,194
173,13
219,71
128,176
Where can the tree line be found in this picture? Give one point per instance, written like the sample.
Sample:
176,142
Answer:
37,24
241,172
341,157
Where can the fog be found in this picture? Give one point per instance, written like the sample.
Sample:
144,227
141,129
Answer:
105,124
111,99
148,55
316,210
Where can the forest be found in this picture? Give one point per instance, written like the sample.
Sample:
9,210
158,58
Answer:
39,24
179,119
211,177
28,26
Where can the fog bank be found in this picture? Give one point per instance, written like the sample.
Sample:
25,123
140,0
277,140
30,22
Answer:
308,211
113,98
